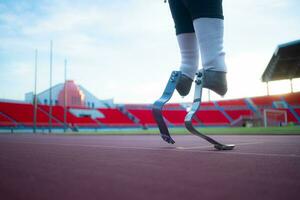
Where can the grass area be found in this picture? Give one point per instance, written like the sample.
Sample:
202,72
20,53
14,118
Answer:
292,130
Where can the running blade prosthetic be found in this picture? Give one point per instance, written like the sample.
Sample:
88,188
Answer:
195,106
159,104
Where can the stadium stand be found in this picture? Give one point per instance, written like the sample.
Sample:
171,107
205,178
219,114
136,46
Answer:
215,113
235,109
288,102
115,117
290,116
233,102
208,103
297,110
212,118
284,65
145,117
138,106
235,114
265,101
173,106
23,114
293,99
175,117
5,121
72,120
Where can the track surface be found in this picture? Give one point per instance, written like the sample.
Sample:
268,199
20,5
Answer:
144,167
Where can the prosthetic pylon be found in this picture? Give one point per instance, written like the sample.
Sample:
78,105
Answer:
159,104
195,106
167,94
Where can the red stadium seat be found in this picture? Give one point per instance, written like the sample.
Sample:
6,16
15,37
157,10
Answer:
4,121
212,117
293,99
173,106
23,114
113,116
145,116
290,116
265,101
176,117
235,114
58,113
233,102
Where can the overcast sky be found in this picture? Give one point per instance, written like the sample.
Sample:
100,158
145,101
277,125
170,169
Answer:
126,49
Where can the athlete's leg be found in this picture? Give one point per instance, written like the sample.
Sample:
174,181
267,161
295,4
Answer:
189,61
181,16
188,45
204,8
207,18
189,53
210,37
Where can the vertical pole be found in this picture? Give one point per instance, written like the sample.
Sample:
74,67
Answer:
50,90
291,83
265,118
268,91
35,96
65,98
285,119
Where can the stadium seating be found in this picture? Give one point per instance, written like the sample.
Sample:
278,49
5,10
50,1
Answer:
175,117
145,116
138,106
235,108
115,117
297,111
207,103
293,99
72,120
290,116
173,106
232,103
212,117
235,114
265,101
23,114
216,113
4,121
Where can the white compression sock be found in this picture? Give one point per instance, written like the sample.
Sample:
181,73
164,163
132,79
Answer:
209,32
189,54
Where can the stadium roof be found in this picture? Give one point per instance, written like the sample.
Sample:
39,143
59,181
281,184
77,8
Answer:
285,63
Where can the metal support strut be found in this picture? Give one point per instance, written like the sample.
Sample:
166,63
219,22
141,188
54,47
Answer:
191,114
159,104
167,94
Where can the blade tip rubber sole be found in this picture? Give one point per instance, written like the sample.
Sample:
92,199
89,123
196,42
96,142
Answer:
225,147
168,139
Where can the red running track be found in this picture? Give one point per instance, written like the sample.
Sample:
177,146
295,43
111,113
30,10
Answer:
144,167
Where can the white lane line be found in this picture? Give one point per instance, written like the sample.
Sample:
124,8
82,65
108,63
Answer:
194,150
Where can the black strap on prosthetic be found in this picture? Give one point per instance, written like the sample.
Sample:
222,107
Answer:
159,104
195,107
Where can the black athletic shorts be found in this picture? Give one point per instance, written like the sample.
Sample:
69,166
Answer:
185,11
